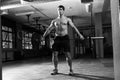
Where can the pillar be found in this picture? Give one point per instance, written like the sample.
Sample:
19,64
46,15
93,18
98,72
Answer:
0,47
98,33
19,36
18,52
116,36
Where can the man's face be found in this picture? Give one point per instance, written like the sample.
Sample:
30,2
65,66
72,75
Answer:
60,11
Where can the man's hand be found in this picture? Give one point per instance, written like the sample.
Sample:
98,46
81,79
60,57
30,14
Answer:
43,41
81,37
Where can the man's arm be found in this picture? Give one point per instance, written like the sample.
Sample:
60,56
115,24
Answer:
49,29
72,25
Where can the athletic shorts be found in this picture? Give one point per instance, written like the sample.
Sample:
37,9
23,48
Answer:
61,43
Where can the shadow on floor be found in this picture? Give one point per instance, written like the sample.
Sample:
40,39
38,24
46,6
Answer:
88,77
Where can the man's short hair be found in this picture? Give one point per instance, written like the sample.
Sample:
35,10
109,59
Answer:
61,6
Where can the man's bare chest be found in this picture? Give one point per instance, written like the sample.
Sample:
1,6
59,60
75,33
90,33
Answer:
61,23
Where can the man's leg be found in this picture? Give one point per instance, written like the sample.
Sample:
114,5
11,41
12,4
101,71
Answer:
69,59
55,62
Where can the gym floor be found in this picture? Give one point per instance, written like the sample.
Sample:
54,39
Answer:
40,69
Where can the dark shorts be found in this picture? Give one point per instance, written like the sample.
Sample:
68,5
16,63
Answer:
61,43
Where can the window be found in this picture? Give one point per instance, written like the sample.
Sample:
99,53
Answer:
7,37
26,41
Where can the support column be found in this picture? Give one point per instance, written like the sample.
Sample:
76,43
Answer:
19,36
98,33
116,36
18,52
0,46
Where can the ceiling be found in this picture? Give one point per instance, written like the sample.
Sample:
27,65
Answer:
46,10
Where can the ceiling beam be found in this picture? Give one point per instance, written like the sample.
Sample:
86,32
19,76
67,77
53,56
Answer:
10,2
40,11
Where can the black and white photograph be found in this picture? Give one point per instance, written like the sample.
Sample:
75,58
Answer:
59,40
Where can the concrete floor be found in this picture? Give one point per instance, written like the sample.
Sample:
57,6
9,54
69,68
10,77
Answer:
40,69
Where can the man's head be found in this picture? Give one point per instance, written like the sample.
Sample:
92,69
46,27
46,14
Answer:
61,9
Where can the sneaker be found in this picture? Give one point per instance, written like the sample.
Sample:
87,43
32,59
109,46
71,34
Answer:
55,71
71,72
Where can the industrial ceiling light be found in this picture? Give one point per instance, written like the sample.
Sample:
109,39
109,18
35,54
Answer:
4,12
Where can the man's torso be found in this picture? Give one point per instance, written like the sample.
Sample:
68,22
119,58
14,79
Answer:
61,26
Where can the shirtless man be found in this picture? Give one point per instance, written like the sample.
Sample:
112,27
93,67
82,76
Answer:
61,42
